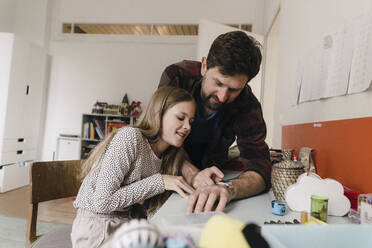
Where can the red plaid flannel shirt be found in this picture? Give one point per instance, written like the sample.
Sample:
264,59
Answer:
241,119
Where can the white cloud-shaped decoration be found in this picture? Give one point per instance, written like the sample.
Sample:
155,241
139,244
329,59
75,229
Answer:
298,195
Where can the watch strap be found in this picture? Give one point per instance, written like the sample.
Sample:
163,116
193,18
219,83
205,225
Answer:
230,186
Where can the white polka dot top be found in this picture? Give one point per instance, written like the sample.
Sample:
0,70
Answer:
128,173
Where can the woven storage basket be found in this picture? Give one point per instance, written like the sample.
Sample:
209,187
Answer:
285,174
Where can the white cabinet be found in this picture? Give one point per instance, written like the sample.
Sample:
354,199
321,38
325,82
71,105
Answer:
14,176
68,148
22,82
35,84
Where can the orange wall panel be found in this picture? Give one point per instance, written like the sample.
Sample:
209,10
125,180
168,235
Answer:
343,149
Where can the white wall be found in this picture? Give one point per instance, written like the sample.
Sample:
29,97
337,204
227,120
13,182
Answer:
270,9
7,11
270,79
25,18
84,72
164,11
30,20
303,23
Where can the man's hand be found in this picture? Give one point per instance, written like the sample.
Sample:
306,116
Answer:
204,198
178,184
208,176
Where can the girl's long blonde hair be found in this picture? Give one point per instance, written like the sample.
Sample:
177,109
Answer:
150,125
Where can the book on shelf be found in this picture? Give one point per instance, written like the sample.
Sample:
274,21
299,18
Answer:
91,130
99,128
99,124
100,135
86,130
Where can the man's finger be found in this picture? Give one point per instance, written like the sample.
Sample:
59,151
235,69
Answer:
217,171
210,202
200,203
191,203
216,178
222,203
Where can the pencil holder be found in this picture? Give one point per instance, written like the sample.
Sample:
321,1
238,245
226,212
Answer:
285,174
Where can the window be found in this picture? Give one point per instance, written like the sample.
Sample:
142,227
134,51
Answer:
138,29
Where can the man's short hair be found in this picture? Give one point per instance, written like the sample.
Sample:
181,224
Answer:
235,53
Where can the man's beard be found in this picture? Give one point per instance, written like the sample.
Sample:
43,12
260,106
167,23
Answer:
208,102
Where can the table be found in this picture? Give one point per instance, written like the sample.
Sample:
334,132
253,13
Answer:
254,209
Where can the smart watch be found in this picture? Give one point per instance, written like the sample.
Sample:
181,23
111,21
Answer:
228,184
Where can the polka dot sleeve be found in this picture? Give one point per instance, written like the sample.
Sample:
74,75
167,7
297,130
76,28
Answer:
126,151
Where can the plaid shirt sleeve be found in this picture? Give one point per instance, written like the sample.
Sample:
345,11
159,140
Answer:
250,129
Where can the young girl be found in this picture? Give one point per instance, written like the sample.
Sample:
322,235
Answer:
133,165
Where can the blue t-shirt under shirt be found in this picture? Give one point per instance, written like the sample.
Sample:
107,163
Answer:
201,133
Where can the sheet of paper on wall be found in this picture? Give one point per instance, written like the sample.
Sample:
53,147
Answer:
338,50
314,75
361,64
297,82
308,77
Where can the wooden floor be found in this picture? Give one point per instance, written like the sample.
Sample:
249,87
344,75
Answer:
15,203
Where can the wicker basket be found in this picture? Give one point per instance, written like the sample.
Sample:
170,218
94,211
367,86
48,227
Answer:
285,174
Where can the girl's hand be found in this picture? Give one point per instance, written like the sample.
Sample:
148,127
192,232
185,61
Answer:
178,184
